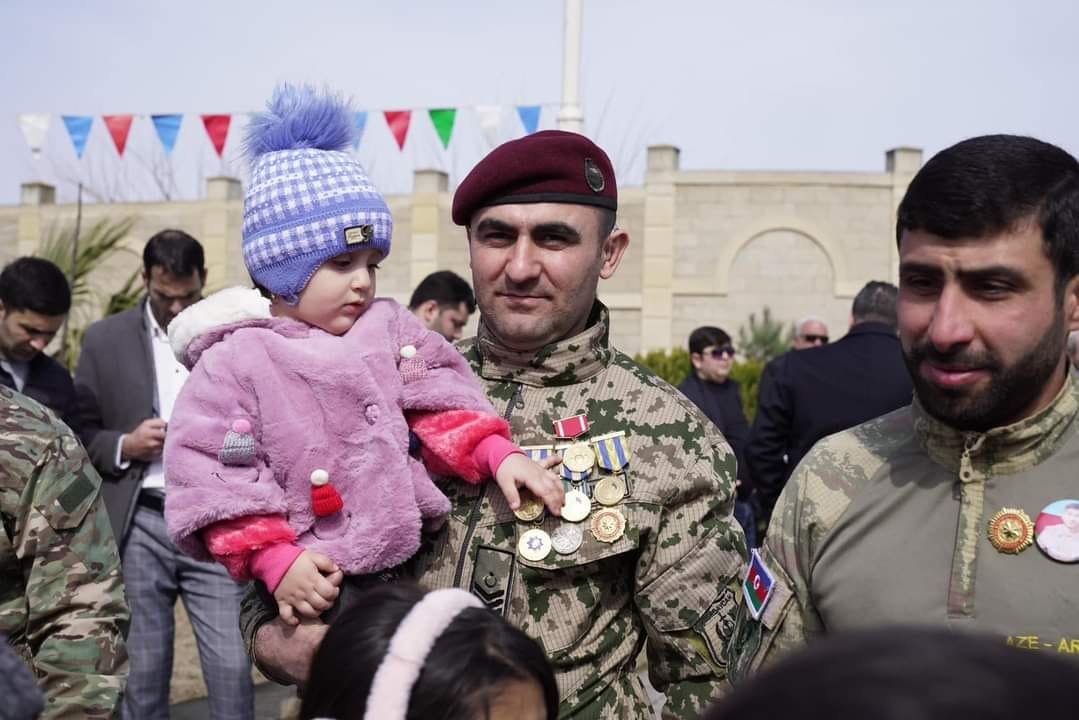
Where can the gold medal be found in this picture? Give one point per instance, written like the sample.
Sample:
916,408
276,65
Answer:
577,506
608,525
531,508
534,545
579,457
1011,531
610,490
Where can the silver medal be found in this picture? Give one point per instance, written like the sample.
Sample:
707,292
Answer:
566,539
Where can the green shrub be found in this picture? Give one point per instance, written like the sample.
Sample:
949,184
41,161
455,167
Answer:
674,366
671,365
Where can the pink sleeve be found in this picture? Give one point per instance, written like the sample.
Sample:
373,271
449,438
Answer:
231,542
269,564
491,451
450,440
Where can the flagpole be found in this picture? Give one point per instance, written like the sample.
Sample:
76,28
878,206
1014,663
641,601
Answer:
570,116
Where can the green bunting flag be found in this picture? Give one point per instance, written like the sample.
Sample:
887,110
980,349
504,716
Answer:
443,120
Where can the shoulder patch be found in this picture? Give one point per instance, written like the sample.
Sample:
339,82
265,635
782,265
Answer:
758,585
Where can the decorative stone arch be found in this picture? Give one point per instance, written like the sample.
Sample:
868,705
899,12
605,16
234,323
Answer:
840,284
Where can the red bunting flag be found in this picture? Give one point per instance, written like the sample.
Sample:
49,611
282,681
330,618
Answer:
119,126
398,121
217,127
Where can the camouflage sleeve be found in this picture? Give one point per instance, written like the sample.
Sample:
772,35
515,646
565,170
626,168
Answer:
788,617
687,582
77,615
257,608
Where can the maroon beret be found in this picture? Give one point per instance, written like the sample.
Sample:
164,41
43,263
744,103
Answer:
548,166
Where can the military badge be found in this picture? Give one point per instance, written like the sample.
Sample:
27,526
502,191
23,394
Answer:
579,458
566,539
571,427
612,452
577,506
610,490
1011,531
534,545
1057,530
758,585
530,509
536,453
594,176
608,525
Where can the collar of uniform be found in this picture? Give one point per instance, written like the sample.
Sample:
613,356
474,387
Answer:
1003,450
564,362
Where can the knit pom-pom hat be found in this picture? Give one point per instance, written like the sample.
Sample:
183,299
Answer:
308,200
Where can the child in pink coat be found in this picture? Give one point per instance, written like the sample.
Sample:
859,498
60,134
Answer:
287,457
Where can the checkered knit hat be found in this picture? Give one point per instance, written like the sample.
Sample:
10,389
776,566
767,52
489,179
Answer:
308,200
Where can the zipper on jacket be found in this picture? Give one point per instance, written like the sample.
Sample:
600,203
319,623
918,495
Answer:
473,517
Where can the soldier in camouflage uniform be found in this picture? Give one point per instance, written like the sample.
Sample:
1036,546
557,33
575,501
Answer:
668,580
925,515
61,597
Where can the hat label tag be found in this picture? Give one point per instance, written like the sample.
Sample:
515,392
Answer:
359,234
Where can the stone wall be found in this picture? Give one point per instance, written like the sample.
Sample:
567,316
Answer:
705,247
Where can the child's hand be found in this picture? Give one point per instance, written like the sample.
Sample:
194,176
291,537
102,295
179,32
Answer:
519,471
308,588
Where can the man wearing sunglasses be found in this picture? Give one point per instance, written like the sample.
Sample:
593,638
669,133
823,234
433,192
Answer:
712,389
812,393
809,332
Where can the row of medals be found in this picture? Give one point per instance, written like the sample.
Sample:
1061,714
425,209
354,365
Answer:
607,524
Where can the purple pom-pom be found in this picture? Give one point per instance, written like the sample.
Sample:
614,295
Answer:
300,117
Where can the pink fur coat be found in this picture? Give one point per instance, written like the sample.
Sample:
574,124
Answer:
272,400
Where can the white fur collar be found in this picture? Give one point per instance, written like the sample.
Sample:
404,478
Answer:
231,305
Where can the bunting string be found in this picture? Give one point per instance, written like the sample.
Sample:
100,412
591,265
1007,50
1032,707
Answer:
35,127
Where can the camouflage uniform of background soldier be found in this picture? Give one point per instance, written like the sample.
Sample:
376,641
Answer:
61,597
668,580
927,515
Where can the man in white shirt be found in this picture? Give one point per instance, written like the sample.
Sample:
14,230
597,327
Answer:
127,382
34,301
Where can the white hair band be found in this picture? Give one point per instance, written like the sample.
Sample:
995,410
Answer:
391,687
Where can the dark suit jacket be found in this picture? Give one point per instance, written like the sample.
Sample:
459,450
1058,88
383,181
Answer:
806,395
115,386
50,384
722,403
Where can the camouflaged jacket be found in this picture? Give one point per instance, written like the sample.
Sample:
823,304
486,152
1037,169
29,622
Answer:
61,595
669,583
897,520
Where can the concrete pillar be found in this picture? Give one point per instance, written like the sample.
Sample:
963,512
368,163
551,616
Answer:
33,196
429,186
570,116
902,164
657,298
222,233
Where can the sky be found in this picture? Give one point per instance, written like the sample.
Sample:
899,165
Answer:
768,84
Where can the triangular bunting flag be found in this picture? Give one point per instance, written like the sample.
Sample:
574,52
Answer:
34,126
78,129
119,126
168,127
398,121
529,115
443,119
490,117
217,127
361,123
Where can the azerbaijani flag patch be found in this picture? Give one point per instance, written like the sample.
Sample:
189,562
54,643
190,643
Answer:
758,585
